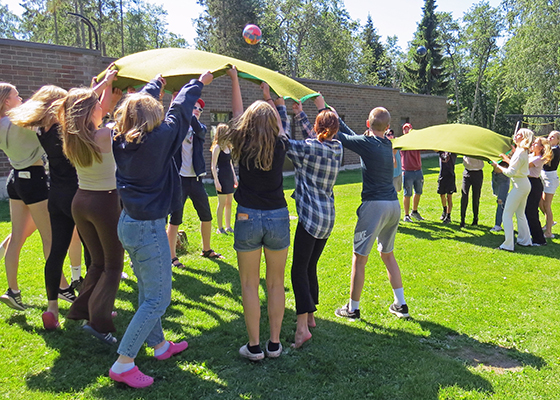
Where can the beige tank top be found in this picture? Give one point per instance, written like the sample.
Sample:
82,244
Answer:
99,176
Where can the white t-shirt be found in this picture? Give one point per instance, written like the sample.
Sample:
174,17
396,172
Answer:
187,169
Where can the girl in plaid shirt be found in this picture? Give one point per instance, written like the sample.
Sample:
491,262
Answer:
317,160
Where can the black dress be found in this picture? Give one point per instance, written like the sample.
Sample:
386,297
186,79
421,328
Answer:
225,173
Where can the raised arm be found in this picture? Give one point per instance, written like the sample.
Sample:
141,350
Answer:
107,94
266,94
301,118
236,99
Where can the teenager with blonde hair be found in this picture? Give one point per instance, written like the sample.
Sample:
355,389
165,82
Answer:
95,207
518,170
224,176
549,176
262,218
148,184
27,189
541,154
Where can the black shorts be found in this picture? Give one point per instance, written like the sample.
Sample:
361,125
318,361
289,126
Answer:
29,185
193,188
446,184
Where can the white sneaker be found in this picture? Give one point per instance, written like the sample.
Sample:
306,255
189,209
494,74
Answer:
496,228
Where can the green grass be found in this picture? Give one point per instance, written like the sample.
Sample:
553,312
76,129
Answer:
484,321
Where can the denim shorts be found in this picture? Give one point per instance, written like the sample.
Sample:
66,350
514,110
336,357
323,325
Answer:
413,179
28,184
255,229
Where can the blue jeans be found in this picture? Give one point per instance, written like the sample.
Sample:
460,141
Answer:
500,187
255,229
148,247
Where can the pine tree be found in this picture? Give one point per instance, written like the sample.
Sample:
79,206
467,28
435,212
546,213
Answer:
425,73
374,69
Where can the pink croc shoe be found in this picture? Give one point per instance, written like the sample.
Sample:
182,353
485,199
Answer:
133,378
49,321
173,349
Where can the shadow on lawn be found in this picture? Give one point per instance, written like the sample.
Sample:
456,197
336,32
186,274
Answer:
478,235
342,360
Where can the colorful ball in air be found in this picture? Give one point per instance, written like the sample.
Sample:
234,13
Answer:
421,51
252,34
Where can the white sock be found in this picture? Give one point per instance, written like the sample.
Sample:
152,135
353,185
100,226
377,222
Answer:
119,368
354,305
161,350
399,296
16,291
76,272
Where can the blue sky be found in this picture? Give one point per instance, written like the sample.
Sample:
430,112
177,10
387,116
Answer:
390,17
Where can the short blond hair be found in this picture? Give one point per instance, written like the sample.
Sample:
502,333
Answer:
527,138
139,114
38,111
379,119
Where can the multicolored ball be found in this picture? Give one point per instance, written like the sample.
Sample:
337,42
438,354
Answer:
252,34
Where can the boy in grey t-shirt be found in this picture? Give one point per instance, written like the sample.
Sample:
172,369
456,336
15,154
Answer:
379,213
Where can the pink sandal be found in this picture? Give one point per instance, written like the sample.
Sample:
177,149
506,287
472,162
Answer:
173,349
133,378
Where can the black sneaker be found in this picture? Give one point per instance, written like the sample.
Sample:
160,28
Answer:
400,311
13,300
344,312
67,294
416,215
447,219
76,285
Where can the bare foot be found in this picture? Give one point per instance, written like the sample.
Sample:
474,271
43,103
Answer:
311,320
301,338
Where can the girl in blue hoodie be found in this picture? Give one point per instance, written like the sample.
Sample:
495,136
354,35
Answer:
147,182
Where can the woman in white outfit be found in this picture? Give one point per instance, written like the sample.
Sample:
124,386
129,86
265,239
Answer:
549,176
518,171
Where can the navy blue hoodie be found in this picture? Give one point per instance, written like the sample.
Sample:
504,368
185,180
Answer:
147,177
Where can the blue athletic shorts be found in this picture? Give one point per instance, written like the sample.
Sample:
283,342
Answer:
413,179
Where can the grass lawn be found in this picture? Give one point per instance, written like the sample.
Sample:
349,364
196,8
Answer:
484,322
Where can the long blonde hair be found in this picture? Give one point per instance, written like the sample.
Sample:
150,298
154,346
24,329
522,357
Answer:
546,152
527,138
5,90
138,115
78,131
38,111
221,138
253,136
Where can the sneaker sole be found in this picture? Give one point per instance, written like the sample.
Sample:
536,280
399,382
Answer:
62,297
11,303
346,317
398,314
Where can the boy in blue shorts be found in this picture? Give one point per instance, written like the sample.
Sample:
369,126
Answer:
379,213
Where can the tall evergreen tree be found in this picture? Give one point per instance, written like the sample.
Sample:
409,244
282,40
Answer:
374,68
425,73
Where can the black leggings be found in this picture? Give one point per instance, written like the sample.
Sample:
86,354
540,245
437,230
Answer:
62,228
307,251
474,179
532,211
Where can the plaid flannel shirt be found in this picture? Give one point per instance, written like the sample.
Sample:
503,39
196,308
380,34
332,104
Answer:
316,168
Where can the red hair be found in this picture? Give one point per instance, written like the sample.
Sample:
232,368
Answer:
326,125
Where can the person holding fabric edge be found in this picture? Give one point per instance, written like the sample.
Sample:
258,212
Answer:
518,170
262,218
317,160
378,214
541,154
148,185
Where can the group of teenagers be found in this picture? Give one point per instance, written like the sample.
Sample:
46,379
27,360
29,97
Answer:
118,183
531,171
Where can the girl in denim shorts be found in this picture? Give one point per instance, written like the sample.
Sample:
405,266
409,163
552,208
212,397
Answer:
262,219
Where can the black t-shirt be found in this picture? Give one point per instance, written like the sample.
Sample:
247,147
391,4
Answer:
263,190
553,165
61,172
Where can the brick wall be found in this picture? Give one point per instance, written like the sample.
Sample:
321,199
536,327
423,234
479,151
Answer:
32,65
